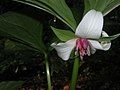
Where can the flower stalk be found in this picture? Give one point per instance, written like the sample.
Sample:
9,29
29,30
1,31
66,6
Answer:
48,72
75,73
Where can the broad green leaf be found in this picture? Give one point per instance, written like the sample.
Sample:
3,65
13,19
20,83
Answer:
11,85
23,28
57,8
87,6
111,6
63,35
15,46
108,39
105,6
9,45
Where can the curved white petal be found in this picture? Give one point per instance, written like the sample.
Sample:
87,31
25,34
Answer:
104,34
64,49
96,44
101,45
105,45
92,49
91,25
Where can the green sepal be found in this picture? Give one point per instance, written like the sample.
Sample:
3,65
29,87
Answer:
110,38
63,35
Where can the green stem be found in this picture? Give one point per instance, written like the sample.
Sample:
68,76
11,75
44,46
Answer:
48,72
74,74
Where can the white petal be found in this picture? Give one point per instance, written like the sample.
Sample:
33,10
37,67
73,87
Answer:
101,45
96,44
105,45
104,34
92,49
64,49
91,25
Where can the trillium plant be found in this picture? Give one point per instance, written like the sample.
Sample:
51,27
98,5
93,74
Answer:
82,39
87,35
85,41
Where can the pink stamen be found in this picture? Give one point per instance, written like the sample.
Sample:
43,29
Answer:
83,47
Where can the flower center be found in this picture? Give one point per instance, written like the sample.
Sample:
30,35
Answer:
83,47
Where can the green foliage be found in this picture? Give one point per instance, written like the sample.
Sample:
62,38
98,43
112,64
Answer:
105,6
63,35
108,39
57,8
23,28
14,46
111,6
11,85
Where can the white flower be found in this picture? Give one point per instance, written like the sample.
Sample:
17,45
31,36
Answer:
88,31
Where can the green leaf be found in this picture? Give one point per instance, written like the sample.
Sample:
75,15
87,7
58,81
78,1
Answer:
63,35
105,6
15,46
23,28
57,8
108,39
111,6
11,85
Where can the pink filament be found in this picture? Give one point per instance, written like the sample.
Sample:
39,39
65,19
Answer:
83,47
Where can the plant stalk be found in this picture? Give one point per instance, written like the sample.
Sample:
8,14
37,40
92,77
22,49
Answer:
48,72
75,74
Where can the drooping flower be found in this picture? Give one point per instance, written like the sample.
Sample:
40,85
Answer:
87,32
